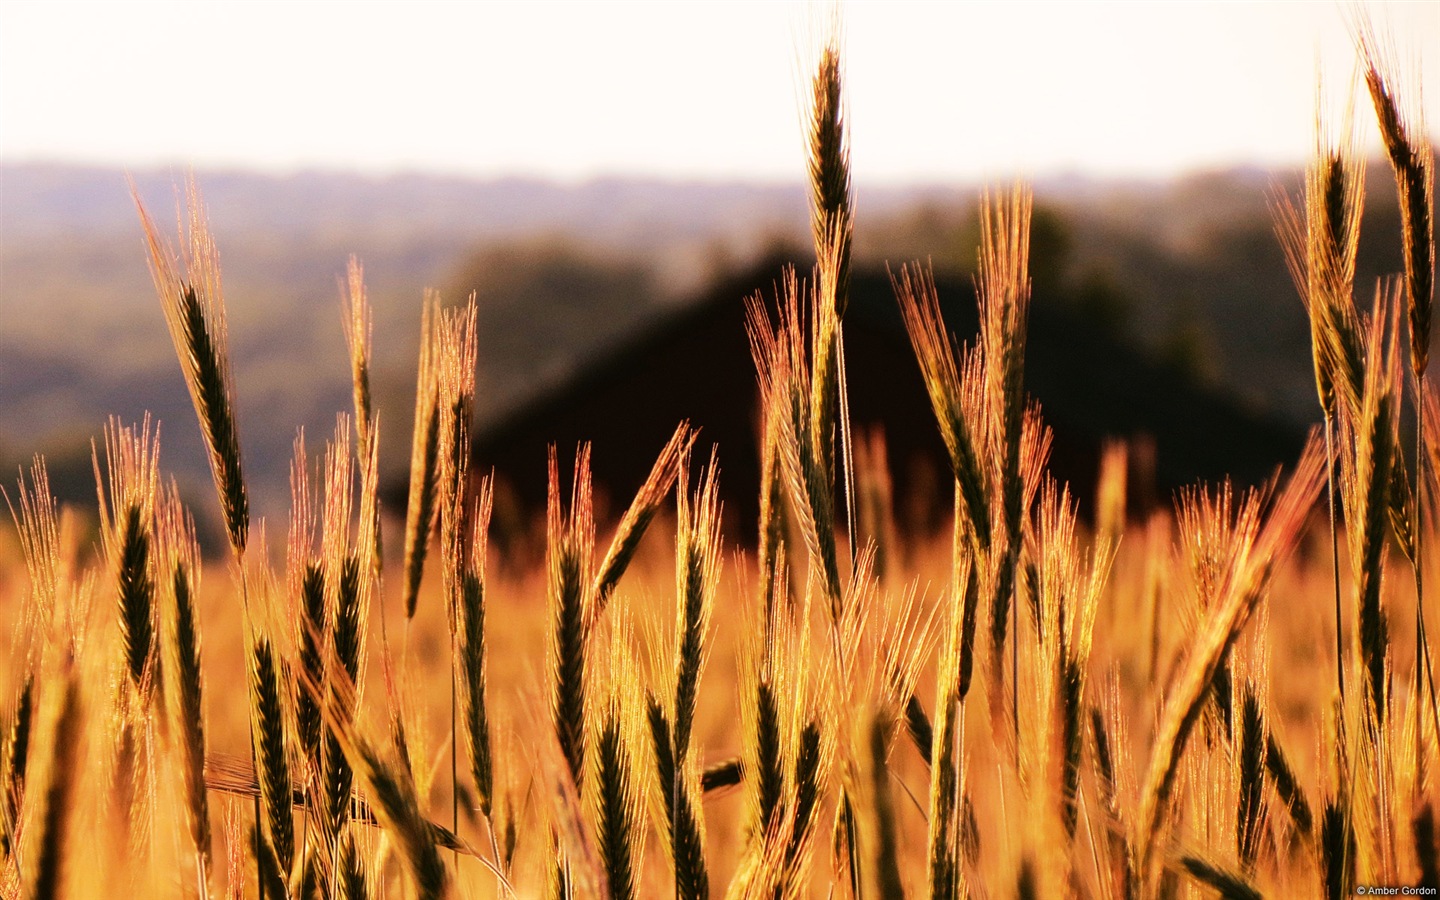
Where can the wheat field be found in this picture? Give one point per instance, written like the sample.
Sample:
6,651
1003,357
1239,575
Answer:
1233,697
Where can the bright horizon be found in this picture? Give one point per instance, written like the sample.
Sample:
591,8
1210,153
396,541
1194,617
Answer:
681,90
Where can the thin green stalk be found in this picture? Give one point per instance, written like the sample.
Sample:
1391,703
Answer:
1424,676
454,745
1335,554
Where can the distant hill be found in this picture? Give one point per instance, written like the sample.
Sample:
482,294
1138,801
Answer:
1191,267
695,365
83,336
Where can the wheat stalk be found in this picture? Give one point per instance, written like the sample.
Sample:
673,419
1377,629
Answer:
764,683
671,721
617,816
667,468
456,352
15,756
309,604
345,648
570,543
39,537
180,556
351,883
1337,849
56,814
1287,785
471,658
805,461
1366,492
1229,885
618,792
37,529
455,399
945,876
1321,240
832,222
684,825
1257,547
194,304
1250,744
272,753
1402,130
355,303
1320,253
421,508
1109,767
697,550
127,523
396,805
1003,289
828,162
1066,588
951,381
772,358
349,585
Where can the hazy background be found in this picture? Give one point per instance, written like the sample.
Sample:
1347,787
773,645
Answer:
590,169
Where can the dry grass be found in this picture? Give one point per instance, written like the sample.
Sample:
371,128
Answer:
791,720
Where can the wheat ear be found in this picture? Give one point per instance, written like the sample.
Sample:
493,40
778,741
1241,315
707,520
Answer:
181,564
570,543
1229,885
420,513
38,531
1402,130
617,795
951,380
309,606
355,302
194,306
762,767
771,359
1257,548
1250,741
272,753
805,462
638,516
1121,870
832,224
1320,253
127,515
1366,490
471,658
682,811
828,163
397,806
1003,291
15,759
56,812
39,537
351,882
697,551
671,723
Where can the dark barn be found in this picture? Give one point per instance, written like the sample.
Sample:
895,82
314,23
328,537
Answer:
696,366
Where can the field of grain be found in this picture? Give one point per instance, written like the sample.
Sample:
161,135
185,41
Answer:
1232,697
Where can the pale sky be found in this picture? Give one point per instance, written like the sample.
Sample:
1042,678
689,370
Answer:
938,91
